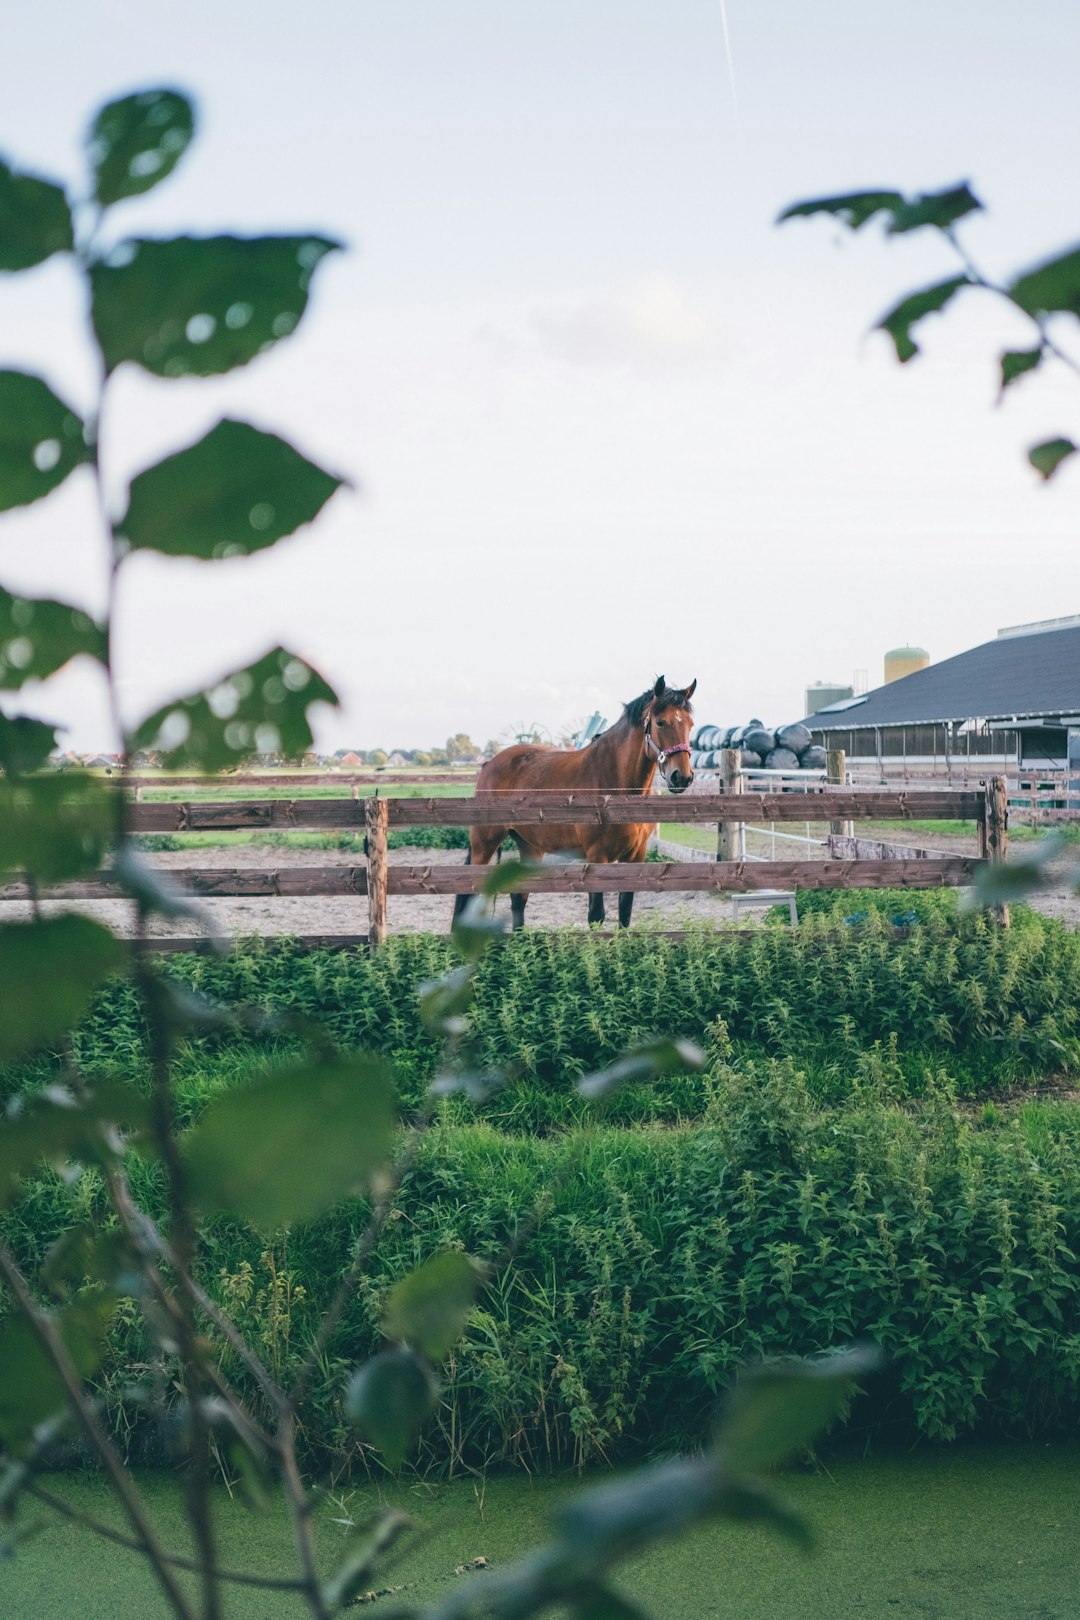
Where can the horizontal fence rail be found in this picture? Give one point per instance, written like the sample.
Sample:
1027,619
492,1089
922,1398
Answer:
733,877
587,808
553,877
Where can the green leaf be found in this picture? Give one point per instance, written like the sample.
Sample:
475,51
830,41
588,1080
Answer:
476,929
236,491
49,969
852,209
478,1086
199,306
1046,458
54,827
39,635
507,876
84,1254
138,140
1014,363
35,221
367,1545
1000,882
661,1055
899,321
1050,287
41,439
389,1398
939,208
25,744
56,1126
431,1306
445,1000
154,891
292,1145
774,1411
251,1476
31,1391
616,1520
262,709
597,1602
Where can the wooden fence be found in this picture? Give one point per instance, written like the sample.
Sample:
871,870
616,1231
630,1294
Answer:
376,879
1038,798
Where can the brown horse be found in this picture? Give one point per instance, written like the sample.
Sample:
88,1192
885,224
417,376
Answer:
654,732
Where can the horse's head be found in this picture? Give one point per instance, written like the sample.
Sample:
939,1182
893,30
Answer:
668,718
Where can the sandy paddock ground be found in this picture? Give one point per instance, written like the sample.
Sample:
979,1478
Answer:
346,914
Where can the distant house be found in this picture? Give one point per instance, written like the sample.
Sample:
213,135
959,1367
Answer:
1014,701
349,759
397,760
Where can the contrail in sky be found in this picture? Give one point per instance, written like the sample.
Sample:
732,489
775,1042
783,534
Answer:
727,53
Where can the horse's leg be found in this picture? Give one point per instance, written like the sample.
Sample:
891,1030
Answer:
518,901
626,906
462,900
483,842
596,908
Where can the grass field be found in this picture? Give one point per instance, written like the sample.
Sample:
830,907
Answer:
986,1533
917,832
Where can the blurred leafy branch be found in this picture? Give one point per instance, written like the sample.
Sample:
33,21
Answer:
1042,294
289,1145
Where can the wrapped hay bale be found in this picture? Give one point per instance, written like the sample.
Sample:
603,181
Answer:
813,758
782,759
758,740
795,737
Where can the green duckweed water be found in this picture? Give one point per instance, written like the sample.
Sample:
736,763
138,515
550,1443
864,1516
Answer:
988,1532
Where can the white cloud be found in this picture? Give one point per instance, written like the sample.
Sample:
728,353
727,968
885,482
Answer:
653,326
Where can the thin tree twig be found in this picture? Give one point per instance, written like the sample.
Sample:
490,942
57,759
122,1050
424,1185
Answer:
300,1510
146,1235
975,275
57,1352
177,1560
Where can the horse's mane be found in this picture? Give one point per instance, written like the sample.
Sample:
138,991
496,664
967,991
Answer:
634,711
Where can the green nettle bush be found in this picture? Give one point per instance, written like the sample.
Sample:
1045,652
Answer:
987,1006
647,1265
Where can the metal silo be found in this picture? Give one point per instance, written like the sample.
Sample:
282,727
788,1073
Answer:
903,661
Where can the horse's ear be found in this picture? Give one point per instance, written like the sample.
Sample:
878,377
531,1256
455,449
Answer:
658,689
690,690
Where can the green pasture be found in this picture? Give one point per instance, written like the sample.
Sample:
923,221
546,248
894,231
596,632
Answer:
987,1533
226,793
890,831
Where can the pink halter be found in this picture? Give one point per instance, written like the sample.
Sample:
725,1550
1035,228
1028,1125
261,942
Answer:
662,753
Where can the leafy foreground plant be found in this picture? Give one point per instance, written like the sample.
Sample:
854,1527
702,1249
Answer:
299,1139
1043,294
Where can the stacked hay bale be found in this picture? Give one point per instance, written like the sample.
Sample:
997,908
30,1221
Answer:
787,748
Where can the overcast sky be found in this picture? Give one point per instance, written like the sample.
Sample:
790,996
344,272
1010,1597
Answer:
604,418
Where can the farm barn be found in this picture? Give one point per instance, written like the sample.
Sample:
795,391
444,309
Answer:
1012,704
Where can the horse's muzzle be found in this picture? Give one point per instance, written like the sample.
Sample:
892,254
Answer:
678,783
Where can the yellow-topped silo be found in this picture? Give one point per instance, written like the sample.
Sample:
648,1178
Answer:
903,661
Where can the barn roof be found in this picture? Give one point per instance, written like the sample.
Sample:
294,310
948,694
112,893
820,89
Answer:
1032,675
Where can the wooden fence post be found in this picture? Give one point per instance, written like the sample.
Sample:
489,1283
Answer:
731,781
994,832
377,821
836,772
